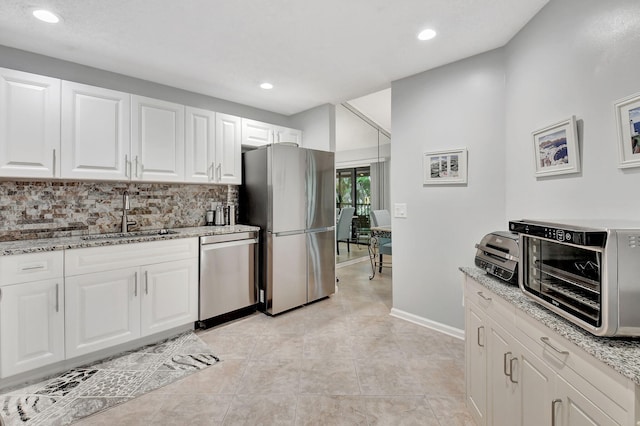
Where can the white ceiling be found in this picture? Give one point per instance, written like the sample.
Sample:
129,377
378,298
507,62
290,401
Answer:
313,51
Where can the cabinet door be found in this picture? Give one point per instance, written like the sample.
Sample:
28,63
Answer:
200,145
31,326
103,310
577,410
504,387
476,362
256,133
29,125
95,132
157,137
536,391
228,150
169,295
284,134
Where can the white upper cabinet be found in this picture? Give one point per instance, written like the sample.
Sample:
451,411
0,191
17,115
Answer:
200,141
95,132
157,137
256,133
29,125
228,169
213,147
285,134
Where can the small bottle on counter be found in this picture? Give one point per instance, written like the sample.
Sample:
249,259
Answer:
210,215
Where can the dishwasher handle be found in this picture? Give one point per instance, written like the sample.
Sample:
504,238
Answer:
216,246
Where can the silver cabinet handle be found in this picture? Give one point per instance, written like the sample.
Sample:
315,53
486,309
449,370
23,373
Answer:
219,172
146,282
135,286
553,410
210,172
31,268
478,332
54,163
481,294
504,364
511,370
546,341
136,166
127,166
57,297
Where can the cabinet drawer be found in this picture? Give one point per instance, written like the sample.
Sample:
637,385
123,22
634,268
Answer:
99,259
567,359
29,267
489,301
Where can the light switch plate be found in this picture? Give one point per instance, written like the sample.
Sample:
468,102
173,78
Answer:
400,210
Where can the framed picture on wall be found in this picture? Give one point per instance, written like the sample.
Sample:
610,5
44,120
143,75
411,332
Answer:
445,167
628,122
556,149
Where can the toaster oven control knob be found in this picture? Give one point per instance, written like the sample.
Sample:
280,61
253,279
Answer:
560,235
568,236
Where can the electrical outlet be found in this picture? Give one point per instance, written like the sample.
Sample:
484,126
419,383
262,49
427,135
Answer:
400,210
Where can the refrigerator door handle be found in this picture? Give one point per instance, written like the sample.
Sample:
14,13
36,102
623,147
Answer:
324,229
286,233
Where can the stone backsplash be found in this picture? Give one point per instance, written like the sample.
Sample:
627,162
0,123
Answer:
46,209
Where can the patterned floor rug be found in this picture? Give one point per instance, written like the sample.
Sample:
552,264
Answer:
88,389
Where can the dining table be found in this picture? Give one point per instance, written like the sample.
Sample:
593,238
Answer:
377,232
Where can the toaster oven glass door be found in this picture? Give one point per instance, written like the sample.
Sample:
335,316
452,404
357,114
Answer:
566,276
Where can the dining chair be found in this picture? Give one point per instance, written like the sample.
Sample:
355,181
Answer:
382,218
343,228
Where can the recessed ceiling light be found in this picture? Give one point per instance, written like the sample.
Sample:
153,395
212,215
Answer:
427,34
266,86
46,16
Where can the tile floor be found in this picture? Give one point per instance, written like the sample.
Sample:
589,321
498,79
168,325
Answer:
356,251
341,361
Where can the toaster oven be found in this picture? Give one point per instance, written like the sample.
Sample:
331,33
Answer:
586,272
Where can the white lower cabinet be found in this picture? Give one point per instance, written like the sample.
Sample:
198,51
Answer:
169,295
103,310
31,325
504,385
476,365
532,379
116,294
31,311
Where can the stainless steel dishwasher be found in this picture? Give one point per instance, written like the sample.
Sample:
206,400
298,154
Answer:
227,273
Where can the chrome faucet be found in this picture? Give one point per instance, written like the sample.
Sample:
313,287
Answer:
126,206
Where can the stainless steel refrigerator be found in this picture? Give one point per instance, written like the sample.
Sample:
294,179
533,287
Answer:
289,192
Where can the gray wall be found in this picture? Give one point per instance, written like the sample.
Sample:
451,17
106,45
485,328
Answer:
319,126
44,65
456,106
576,57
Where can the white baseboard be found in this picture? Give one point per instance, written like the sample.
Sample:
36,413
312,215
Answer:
442,328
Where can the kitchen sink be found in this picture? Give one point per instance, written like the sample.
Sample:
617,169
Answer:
132,234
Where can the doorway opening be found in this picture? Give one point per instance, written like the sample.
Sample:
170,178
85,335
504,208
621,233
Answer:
353,189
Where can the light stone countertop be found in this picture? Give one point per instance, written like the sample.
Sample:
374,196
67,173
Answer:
52,244
620,353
